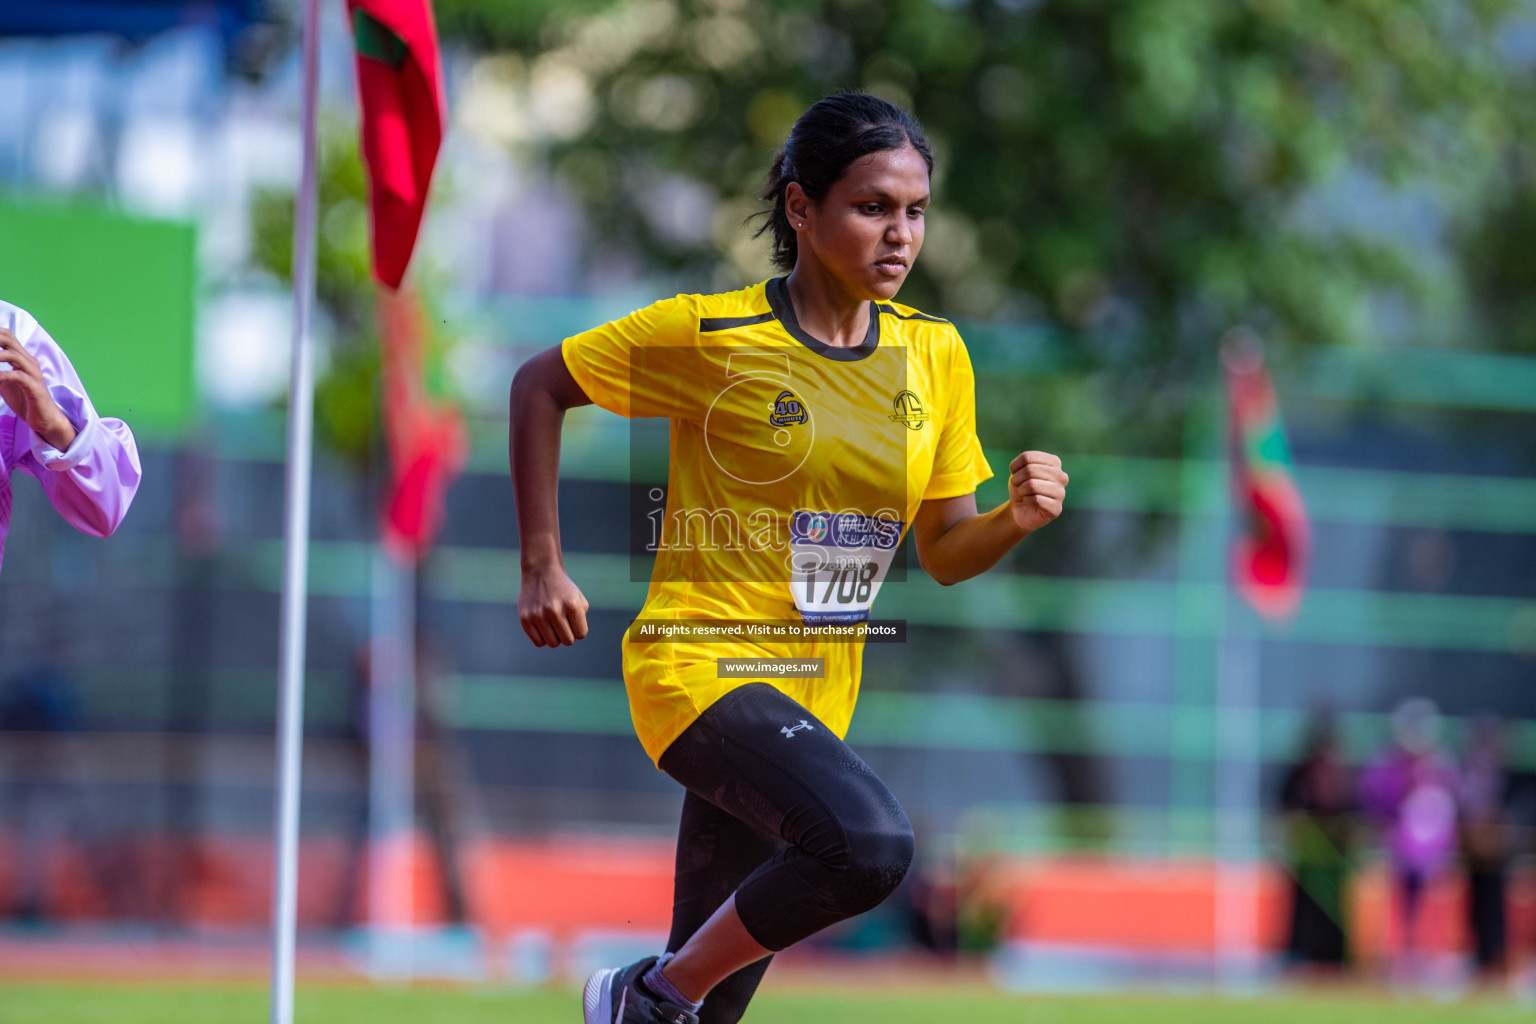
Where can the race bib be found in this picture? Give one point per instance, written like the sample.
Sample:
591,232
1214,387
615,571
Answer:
839,560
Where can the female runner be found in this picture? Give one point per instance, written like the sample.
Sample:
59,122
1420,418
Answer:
812,420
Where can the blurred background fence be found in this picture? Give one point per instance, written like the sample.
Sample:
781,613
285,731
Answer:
1053,727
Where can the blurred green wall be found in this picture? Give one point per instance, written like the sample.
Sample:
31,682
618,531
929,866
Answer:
116,292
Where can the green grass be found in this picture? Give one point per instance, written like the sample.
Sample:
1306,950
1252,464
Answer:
90,1003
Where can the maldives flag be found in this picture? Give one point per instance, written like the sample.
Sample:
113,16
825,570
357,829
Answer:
426,439
399,83
1270,556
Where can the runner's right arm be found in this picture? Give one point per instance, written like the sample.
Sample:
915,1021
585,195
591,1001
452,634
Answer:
551,608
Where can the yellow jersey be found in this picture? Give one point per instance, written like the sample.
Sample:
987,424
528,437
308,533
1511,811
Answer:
794,470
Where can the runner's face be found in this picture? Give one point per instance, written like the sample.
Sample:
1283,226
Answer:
869,228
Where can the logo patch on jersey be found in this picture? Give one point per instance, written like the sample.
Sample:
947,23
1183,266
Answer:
909,410
786,410
844,529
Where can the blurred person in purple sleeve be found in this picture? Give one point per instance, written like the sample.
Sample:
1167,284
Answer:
1410,793
88,465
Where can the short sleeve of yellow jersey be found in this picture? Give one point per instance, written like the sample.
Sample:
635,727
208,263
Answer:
958,463
641,365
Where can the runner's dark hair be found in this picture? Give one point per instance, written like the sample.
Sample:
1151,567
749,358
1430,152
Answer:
825,141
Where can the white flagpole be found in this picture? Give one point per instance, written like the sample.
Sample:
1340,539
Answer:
1238,754
1237,804
391,769
290,738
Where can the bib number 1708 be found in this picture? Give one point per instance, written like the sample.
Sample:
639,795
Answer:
846,584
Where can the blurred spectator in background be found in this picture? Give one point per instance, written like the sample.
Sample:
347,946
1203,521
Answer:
959,903
1318,800
444,786
35,705
441,792
1410,793
982,903
1486,842
934,914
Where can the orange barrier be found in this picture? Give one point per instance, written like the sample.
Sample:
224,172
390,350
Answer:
1171,905
567,885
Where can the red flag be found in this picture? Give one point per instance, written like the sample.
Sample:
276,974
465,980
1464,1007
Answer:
1270,557
426,439
399,83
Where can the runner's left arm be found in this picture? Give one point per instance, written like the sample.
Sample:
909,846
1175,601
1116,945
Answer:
955,542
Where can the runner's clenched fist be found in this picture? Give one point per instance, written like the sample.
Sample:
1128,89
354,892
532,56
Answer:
1037,486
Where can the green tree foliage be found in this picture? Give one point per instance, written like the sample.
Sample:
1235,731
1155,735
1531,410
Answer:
346,393
501,25
1498,251
1136,175
347,405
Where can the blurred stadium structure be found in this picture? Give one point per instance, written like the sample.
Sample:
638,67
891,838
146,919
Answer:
1051,726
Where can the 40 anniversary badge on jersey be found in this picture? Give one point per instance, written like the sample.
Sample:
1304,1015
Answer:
839,561
759,428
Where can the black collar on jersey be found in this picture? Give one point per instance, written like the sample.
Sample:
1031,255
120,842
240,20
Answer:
778,298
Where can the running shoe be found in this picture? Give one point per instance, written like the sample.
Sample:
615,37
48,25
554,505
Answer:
614,995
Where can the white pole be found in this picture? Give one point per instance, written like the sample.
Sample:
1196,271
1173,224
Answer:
391,769
290,738
381,656
1237,804
1237,798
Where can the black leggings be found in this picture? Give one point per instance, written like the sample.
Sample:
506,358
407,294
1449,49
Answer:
785,815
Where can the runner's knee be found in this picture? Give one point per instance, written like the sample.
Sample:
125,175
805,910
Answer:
878,858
